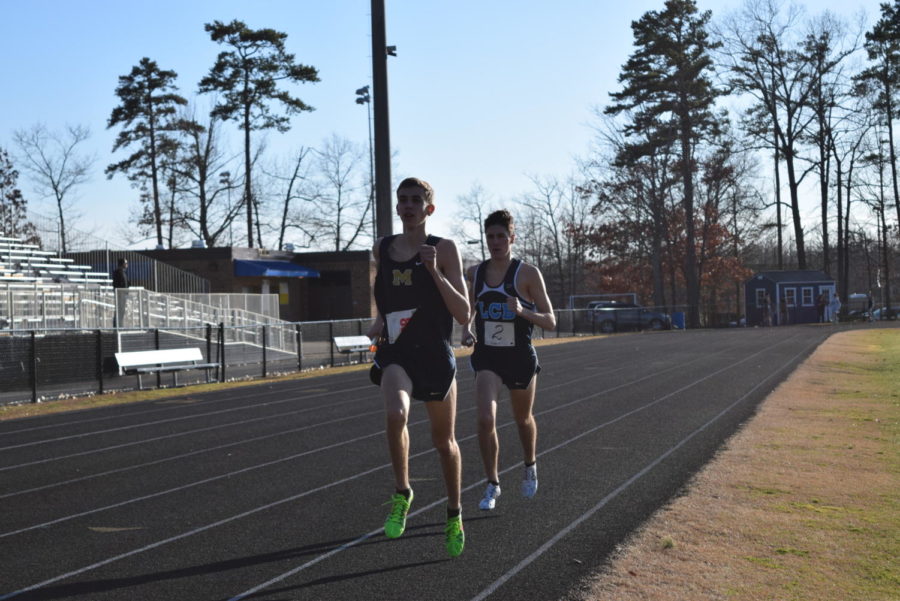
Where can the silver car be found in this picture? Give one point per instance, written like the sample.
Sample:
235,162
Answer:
616,316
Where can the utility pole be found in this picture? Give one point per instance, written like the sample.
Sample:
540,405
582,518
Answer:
380,52
363,97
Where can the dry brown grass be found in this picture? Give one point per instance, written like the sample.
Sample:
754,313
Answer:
802,504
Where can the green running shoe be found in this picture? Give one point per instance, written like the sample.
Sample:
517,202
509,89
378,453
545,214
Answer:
395,523
455,537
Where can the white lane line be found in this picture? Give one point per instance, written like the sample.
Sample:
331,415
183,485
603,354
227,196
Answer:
255,510
280,391
294,390
590,512
243,470
169,436
188,432
186,417
565,443
199,482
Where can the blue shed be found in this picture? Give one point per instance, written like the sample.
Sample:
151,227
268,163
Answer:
796,292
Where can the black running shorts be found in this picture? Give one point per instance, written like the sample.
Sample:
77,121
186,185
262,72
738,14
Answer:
516,366
430,367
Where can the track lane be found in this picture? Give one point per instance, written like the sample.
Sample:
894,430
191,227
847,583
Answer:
433,490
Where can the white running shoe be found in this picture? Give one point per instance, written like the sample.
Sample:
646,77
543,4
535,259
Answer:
530,481
490,497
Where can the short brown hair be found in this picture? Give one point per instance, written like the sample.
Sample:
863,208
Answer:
501,217
411,182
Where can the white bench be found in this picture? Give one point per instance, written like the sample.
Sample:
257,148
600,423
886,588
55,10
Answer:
352,344
173,360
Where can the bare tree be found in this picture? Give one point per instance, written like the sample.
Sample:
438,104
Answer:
337,213
55,165
828,46
473,208
290,183
632,182
209,197
553,211
773,68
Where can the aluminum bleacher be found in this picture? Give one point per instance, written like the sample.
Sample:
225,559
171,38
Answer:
21,262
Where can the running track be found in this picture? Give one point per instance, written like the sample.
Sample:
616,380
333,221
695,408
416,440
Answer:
276,491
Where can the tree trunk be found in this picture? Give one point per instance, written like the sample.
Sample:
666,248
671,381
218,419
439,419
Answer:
795,212
893,154
62,224
690,258
840,222
778,223
824,169
845,274
154,179
248,194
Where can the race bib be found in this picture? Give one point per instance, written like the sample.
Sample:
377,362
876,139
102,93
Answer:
396,321
499,333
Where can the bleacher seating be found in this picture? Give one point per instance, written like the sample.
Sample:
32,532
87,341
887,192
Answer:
27,263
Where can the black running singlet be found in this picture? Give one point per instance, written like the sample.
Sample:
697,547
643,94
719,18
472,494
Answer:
408,299
496,326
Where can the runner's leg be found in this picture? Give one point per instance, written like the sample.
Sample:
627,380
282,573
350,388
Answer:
442,415
522,403
487,392
396,390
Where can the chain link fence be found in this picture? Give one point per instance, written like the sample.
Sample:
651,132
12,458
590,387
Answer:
43,364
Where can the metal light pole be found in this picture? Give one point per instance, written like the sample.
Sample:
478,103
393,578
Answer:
362,97
380,52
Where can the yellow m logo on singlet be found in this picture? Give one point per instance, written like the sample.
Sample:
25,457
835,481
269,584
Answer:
402,278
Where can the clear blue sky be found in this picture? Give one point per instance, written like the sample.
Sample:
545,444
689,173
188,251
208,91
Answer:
481,91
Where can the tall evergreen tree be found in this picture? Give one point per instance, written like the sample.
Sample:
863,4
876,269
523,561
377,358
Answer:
883,48
13,218
668,88
147,115
247,78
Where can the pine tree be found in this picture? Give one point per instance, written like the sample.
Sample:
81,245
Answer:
13,219
670,94
883,48
147,116
247,78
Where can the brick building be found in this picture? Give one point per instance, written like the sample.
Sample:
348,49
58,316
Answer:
314,286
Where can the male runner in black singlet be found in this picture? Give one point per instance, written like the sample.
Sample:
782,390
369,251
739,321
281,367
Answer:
419,290
508,298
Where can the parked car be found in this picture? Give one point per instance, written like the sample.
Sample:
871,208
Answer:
883,313
858,315
616,316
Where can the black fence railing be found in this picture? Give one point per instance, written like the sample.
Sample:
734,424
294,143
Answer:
46,364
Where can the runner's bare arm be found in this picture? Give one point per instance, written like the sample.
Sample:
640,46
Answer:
533,288
377,326
468,336
446,269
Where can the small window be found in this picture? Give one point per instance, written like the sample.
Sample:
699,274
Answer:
760,298
790,297
808,297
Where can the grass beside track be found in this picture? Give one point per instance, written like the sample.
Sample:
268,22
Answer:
802,504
